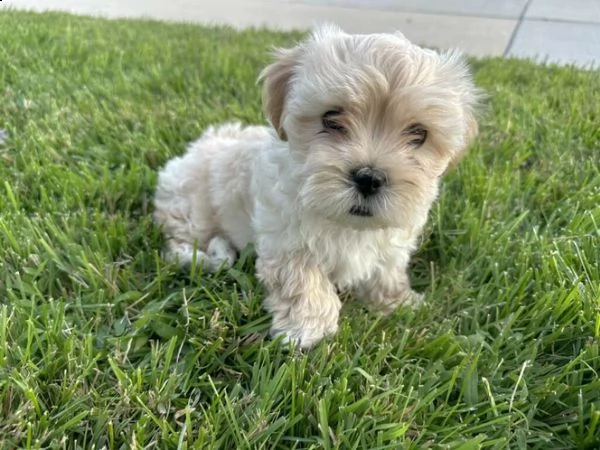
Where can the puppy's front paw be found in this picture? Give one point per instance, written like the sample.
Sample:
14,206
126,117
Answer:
302,301
306,334
408,298
388,303
304,328
411,299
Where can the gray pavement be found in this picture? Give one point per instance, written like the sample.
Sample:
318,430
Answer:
561,31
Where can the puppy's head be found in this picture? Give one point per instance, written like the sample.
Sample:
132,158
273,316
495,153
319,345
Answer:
374,120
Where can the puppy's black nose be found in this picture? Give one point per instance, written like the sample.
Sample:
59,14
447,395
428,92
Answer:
368,181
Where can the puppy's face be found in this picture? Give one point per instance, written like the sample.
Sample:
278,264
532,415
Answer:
374,121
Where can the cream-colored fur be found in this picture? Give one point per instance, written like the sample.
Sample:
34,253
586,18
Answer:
335,194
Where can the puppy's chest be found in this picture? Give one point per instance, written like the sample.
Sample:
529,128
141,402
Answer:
350,261
350,270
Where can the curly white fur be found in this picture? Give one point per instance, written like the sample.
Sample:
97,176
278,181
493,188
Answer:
291,189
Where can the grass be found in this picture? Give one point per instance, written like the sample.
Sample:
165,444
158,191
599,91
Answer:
103,345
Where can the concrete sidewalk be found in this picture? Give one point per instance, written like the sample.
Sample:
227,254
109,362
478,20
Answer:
566,32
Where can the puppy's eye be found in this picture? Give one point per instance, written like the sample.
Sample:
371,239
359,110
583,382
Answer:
330,121
418,134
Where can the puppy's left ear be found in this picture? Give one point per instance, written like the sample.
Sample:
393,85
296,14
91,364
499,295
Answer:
469,98
471,131
277,78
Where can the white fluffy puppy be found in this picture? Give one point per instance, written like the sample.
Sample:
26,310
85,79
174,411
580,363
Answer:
335,194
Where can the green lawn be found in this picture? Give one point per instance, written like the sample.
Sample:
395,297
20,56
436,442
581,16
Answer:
104,345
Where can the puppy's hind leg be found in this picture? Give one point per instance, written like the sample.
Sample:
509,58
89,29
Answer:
219,253
183,210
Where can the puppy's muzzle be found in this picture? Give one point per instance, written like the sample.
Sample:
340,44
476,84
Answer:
368,181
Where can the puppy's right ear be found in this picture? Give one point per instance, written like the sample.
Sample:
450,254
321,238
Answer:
277,77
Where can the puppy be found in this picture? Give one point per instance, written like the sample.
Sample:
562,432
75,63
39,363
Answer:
335,194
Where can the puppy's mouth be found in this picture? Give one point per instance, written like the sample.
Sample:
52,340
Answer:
361,211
